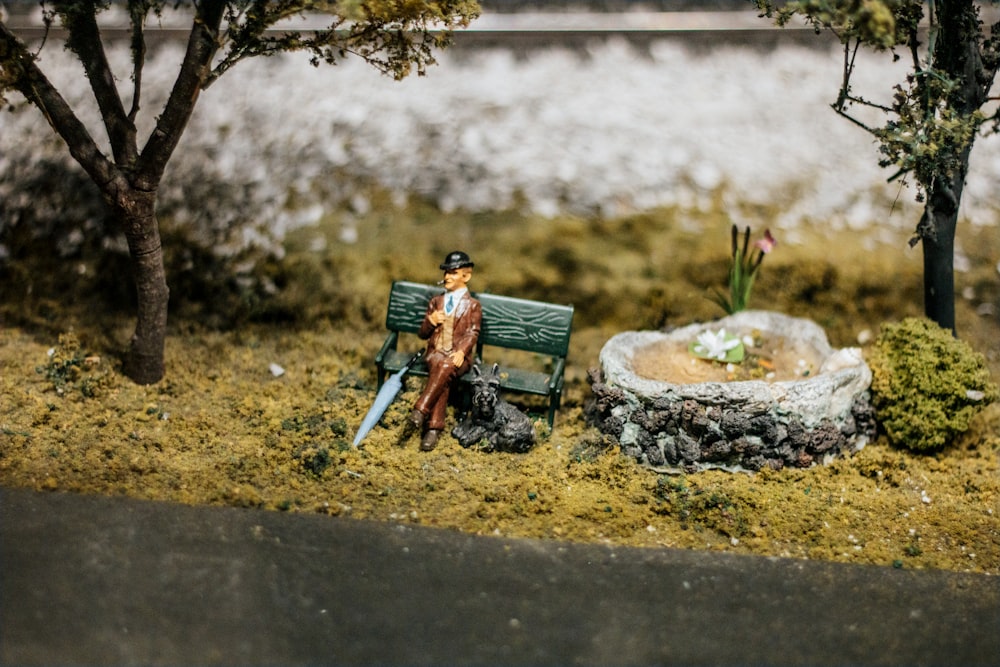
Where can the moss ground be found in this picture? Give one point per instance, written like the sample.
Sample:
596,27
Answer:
221,428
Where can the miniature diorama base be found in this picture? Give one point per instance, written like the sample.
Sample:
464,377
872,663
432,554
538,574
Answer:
793,401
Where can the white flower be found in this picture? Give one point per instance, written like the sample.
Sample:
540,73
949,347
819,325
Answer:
715,345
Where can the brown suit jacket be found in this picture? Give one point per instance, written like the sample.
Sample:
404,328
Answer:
465,332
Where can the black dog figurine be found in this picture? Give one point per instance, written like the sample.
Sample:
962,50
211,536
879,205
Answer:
493,423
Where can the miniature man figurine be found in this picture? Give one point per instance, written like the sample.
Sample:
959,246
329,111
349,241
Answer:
451,328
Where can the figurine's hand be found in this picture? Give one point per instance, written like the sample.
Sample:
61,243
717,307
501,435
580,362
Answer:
458,358
436,318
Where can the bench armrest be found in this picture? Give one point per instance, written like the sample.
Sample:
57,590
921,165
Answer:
389,344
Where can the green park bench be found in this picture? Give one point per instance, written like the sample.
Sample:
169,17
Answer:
514,324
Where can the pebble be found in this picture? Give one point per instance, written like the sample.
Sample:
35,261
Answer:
562,131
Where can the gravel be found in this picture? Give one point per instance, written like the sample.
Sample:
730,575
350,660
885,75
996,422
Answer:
604,131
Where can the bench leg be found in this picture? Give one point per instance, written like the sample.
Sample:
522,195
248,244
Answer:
554,401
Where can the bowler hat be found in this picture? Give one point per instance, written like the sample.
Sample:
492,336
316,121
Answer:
456,260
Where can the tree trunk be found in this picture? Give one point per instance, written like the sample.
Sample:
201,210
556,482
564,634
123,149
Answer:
937,231
135,212
957,55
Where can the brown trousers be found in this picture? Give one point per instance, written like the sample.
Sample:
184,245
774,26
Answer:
433,402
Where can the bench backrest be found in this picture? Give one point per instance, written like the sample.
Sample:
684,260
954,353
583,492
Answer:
519,324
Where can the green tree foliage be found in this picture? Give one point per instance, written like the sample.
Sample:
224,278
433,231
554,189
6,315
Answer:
934,115
926,385
397,37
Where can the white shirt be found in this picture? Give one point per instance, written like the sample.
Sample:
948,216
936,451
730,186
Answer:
451,299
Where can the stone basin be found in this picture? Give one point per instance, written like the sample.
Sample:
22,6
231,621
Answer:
675,425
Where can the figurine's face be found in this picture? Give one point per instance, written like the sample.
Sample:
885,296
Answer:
457,278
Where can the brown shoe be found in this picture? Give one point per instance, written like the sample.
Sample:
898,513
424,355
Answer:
430,440
415,420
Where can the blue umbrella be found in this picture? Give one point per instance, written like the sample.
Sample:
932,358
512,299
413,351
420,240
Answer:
384,399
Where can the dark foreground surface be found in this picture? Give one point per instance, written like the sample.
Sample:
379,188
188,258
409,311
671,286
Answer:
95,580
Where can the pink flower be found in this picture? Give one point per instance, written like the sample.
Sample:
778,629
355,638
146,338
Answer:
767,243
743,268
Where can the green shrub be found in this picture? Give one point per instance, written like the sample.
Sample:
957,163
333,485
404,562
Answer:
68,367
926,384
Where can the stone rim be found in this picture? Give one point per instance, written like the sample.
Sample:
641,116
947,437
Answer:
829,404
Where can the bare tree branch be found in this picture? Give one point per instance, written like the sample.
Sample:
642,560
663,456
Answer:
137,18
201,48
25,77
840,112
80,20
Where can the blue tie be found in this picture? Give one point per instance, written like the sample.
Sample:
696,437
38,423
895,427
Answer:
449,304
